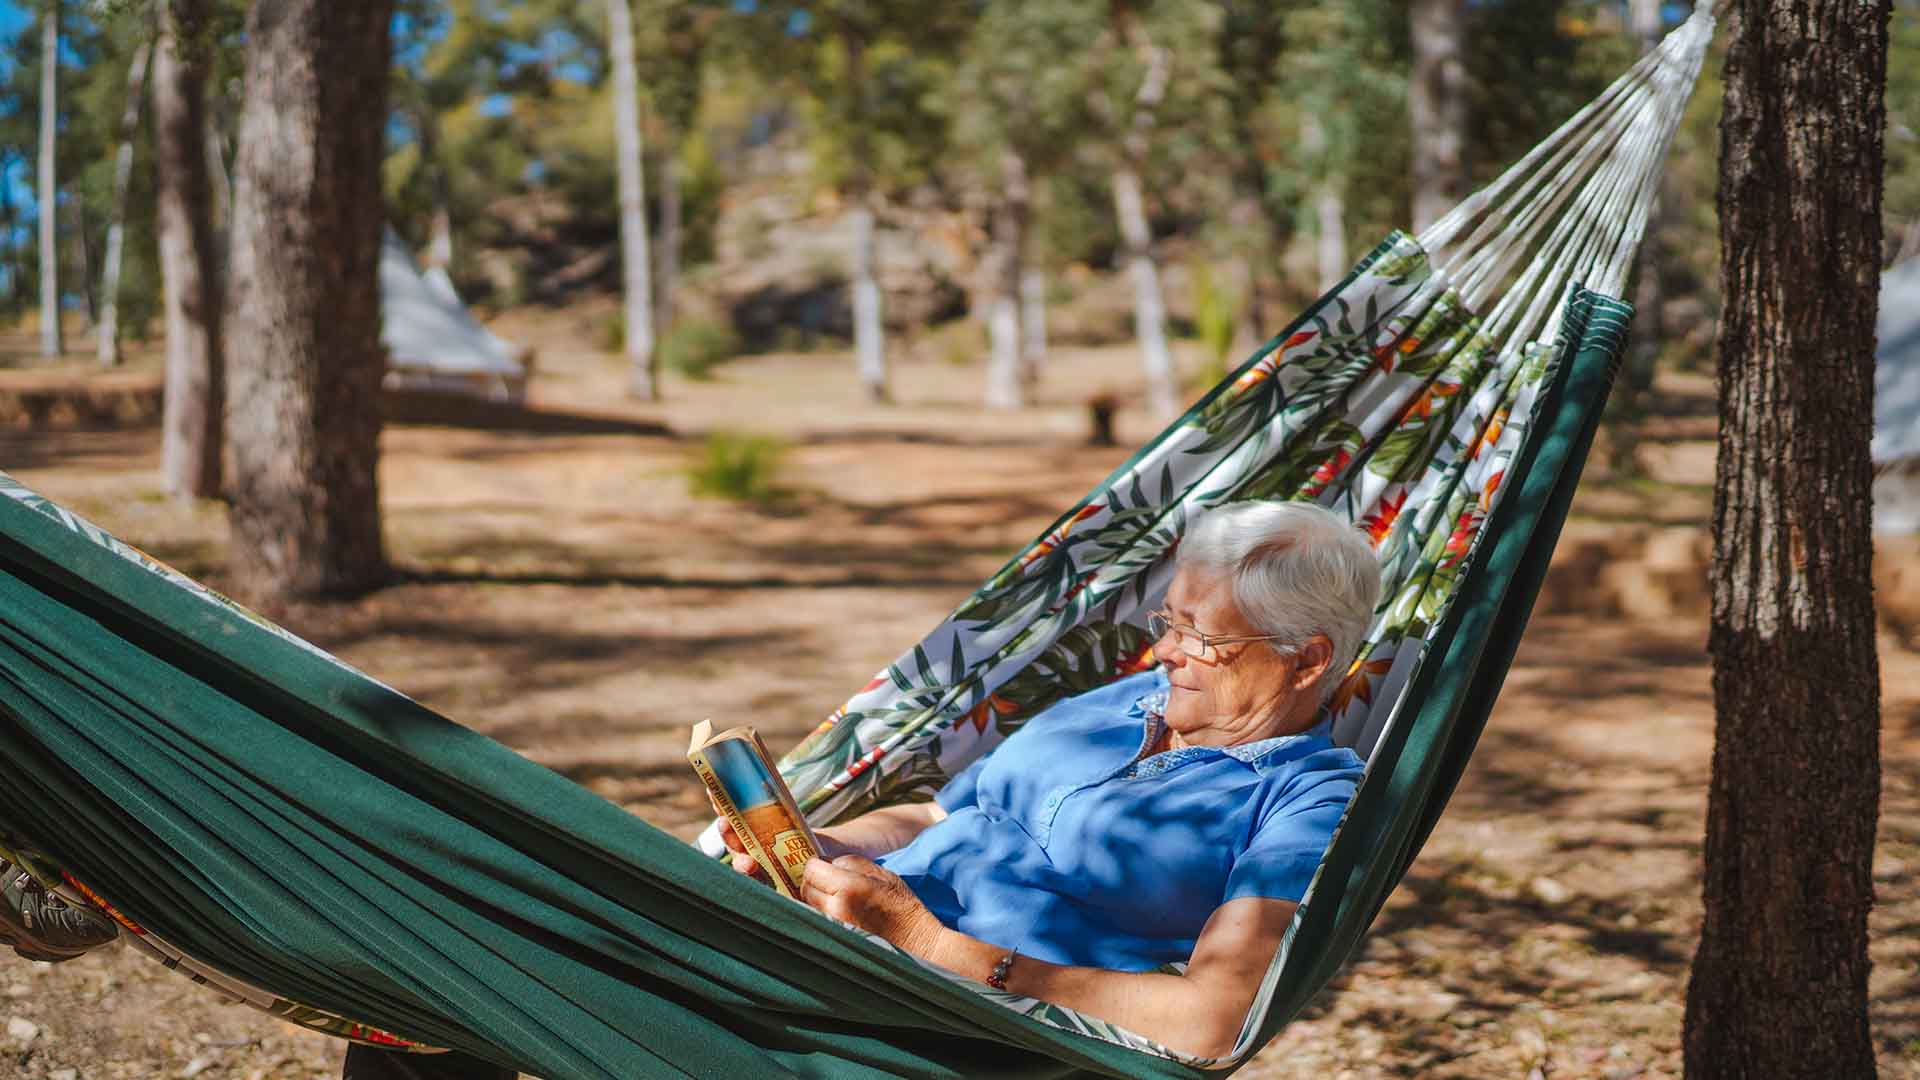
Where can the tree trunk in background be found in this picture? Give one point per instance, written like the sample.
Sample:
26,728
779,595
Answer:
217,178
1627,407
1130,206
82,261
1329,207
440,221
305,331
1033,321
644,377
49,198
1006,386
869,329
1255,252
1437,108
9,221
669,277
107,348
192,409
1779,983
869,332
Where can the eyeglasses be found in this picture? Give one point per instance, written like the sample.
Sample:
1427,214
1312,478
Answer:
1195,643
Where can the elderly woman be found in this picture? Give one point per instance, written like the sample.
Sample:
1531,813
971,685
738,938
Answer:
1175,815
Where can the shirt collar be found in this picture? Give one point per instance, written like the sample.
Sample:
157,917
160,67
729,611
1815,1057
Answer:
1151,709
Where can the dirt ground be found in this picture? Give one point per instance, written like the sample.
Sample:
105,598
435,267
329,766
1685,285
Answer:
563,592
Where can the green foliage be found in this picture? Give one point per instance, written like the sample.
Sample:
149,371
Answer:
739,466
694,347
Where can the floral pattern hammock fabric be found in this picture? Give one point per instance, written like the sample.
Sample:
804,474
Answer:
273,819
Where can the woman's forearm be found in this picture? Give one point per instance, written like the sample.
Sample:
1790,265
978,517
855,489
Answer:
877,832
1190,1015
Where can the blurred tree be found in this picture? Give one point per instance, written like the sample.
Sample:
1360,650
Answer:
49,192
305,315
1437,107
675,38
193,407
1779,981
636,287
107,348
875,77
1028,66
1252,46
1903,132
1135,143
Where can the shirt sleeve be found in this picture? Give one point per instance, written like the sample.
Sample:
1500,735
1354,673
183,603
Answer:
1286,848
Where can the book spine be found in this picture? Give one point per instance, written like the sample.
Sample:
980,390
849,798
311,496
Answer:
781,852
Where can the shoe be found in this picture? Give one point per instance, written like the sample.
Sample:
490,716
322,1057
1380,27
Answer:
42,926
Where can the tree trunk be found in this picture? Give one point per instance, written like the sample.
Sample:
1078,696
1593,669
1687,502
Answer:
869,330
1626,410
108,346
1006,388
82,260
1329,206
1130,207
49,208
1246,216
217,179
1437,108
1779,984
670,211
1033,320
869,333
440,220
190,441
644,377
307,219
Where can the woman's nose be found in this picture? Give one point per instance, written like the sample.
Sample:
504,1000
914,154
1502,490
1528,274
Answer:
1165,651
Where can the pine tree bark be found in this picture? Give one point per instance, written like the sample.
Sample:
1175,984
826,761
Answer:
1006,384
644,376
1779,983
1437,108
49,195
194,401
107,348
305,317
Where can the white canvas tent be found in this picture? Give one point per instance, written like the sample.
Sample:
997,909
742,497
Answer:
433,342
1896,403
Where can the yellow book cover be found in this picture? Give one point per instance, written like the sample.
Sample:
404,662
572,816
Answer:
747,788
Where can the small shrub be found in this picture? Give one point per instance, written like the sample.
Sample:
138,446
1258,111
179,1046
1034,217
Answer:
694,347
613,333
736,465
1214,317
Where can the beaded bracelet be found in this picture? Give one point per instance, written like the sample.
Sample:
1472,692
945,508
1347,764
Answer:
998,978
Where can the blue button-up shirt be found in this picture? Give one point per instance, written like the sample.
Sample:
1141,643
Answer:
1070,846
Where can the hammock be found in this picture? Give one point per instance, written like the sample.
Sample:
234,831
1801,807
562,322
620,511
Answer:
301,836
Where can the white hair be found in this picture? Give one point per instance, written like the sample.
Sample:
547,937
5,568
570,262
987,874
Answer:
1296,570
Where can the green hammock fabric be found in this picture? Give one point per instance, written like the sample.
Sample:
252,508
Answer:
290,822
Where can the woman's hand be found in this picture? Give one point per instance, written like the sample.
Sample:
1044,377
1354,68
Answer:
743,863
859,891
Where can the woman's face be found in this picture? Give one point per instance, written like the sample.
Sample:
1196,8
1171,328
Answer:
1235,693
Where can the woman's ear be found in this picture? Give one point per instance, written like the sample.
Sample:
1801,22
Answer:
1313,659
